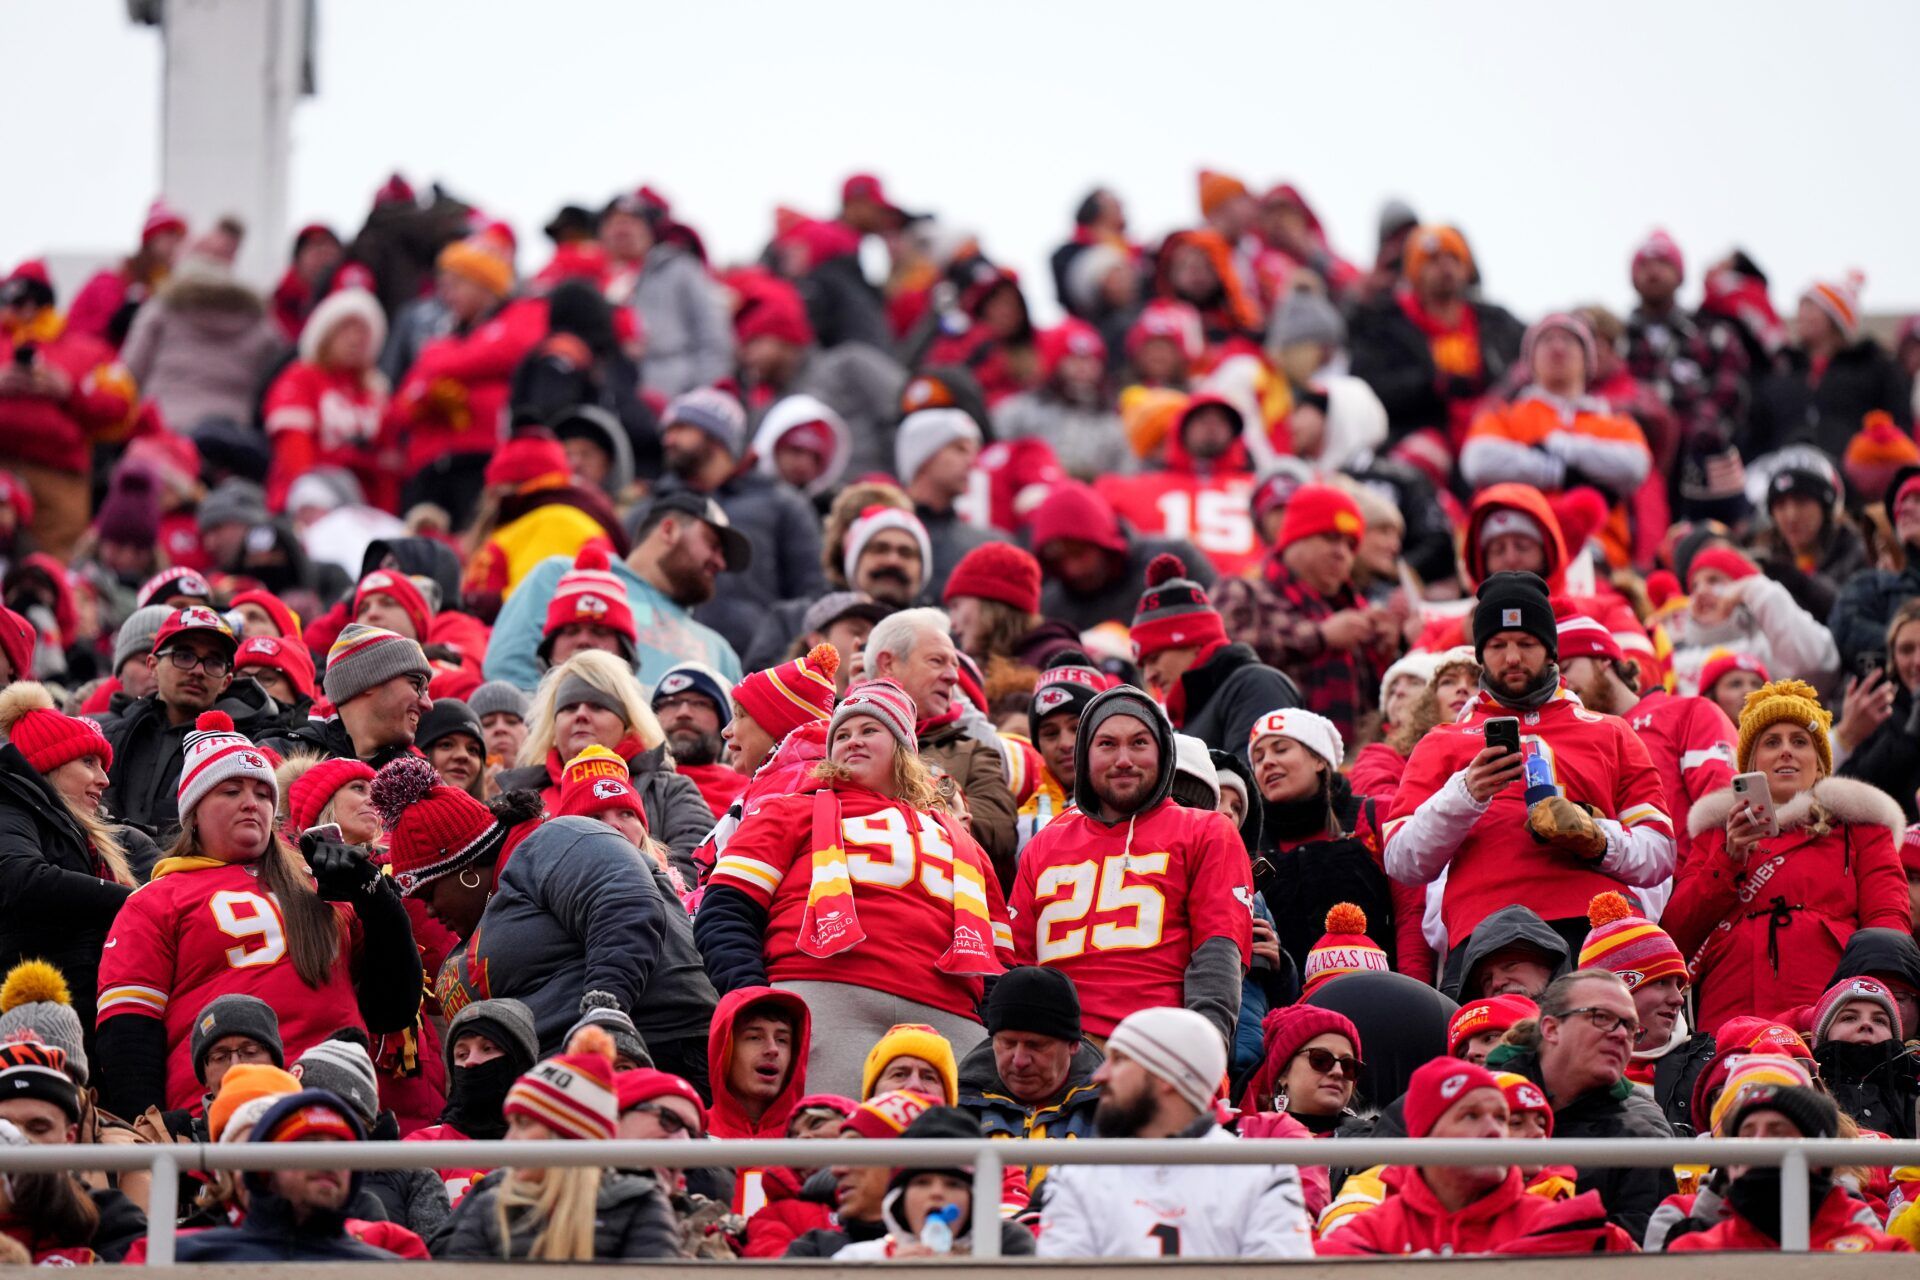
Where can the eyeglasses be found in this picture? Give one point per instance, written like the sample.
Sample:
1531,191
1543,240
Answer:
1325,1060
690,701
214,664
245,1053
1606,1021
670,1120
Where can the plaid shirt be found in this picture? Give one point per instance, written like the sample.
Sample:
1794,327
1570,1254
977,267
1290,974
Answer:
1280,617
1700,368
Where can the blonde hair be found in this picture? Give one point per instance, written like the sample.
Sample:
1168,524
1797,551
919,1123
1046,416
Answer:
561,1207
27,696
913,782
606,672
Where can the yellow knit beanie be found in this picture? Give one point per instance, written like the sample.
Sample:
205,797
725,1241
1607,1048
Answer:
913,1040
1786,700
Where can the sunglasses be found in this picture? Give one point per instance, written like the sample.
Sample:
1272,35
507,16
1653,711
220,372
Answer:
670,1120
1325,1060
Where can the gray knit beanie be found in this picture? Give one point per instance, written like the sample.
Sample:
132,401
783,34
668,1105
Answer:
1306,316
365,656
504,1020
713,412
342,1068
235,1015
37,1008
498,695
137,634
598,1009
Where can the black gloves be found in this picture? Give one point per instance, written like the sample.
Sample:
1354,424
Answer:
342,872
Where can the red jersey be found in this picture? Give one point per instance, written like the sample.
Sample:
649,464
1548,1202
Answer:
201,929
1212,512
329,418
1595,759
1123,919
898,860
454,399
1692,745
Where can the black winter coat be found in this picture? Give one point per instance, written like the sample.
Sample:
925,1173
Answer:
1116,601
1230,691
1890,757
1674,1076
1789,407
54,905
1867,604
1303,873
1817,589
1394,358
632,1220
143,784
328,738
678,816
270,1234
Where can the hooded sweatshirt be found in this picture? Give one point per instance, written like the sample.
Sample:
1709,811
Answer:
1513,927
727,1117
1167,917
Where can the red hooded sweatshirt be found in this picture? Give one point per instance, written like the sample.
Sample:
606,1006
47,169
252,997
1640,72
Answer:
1505,1220
727,1118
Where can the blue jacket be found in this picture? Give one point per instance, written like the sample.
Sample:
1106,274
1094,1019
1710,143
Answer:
668,634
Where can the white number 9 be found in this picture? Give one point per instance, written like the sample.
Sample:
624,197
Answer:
248,915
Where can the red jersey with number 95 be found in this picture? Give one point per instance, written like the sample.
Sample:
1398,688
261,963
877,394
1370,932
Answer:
1122,921
202,929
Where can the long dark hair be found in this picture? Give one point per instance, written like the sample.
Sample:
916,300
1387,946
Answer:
313,934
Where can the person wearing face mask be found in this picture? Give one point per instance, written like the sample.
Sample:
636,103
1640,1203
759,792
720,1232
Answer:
233,908
1864,1065
1841,1224
489,1045
1766,908
1577,811
1732,605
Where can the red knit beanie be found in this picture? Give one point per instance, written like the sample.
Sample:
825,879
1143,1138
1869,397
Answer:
534,460
313,790
433,830
1283,1033
1495,1013
1435,1086
1725,663
997,571
595,782
1726,560
589,593
1345,948
17,638
44,735
1174,613
1320,508
284,618
393,583
289,657
781,699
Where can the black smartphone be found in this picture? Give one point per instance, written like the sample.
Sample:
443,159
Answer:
23,355
1503,733
1868,665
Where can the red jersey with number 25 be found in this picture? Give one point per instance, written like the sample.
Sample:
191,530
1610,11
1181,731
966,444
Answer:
1122,919
202,929
900,862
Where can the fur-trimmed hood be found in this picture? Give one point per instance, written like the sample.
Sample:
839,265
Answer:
1843,800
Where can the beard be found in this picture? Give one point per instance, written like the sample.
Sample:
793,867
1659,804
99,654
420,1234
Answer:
1118,1118
693,748
687,583
686,462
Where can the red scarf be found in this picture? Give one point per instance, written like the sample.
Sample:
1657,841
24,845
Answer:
1176,698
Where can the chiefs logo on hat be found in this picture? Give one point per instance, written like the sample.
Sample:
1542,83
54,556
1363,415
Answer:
1051,700
1530,1096
253,761
1450,1087
608,789
198,616
376,581
675,683
261,644
593,606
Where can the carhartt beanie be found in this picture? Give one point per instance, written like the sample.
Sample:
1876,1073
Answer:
1514,601
234,1015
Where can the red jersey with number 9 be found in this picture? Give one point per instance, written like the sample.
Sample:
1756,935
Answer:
900,863
1123,917
202,929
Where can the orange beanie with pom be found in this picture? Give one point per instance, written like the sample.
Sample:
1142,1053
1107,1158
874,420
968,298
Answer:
1628,945
781,699
1345,948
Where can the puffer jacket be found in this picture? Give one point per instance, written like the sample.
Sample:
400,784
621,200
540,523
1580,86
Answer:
984,1094
202,349
632,1220
1763,936
677,814
577,909
683,313
1867,603
56,903
143,784
1766,625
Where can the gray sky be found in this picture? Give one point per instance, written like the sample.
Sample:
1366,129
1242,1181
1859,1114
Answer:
1555,134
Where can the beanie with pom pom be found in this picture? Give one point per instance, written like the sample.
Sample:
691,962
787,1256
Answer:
1628,945
1345,948
1174,613
434,830
1791,701
45,736
571,1093
35,1004
215,753
590,594
781,699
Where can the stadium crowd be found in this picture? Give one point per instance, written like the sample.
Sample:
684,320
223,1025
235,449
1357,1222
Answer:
1291,696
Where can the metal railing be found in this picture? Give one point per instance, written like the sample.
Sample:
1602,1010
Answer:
987,1157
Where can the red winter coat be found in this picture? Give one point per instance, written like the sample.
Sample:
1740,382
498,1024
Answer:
1315,1183
1506,1220
780,1223
1838,1227
1375,773
60,433
1764,937
319,417
454,399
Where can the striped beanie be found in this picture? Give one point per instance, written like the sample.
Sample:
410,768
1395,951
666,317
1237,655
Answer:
590,593
876,519
1843,993
433,829
1840,299
1632,947
216,752
1174,613
886,702
1345,948
781,699
38,1071
888,1115
171,583
1755,1071
1524,1096
365,656
571,1093
1176,1045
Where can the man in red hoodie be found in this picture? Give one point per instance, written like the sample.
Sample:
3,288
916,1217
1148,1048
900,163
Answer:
1452,1209
757,1068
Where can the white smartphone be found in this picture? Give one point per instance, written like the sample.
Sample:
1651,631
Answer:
1751,790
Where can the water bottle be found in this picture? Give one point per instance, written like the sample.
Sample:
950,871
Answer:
937,1231
1538,774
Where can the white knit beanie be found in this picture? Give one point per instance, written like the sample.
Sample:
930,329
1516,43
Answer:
1313,731
921,435
1177,1045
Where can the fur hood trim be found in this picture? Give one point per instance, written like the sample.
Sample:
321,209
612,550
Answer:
1845,799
